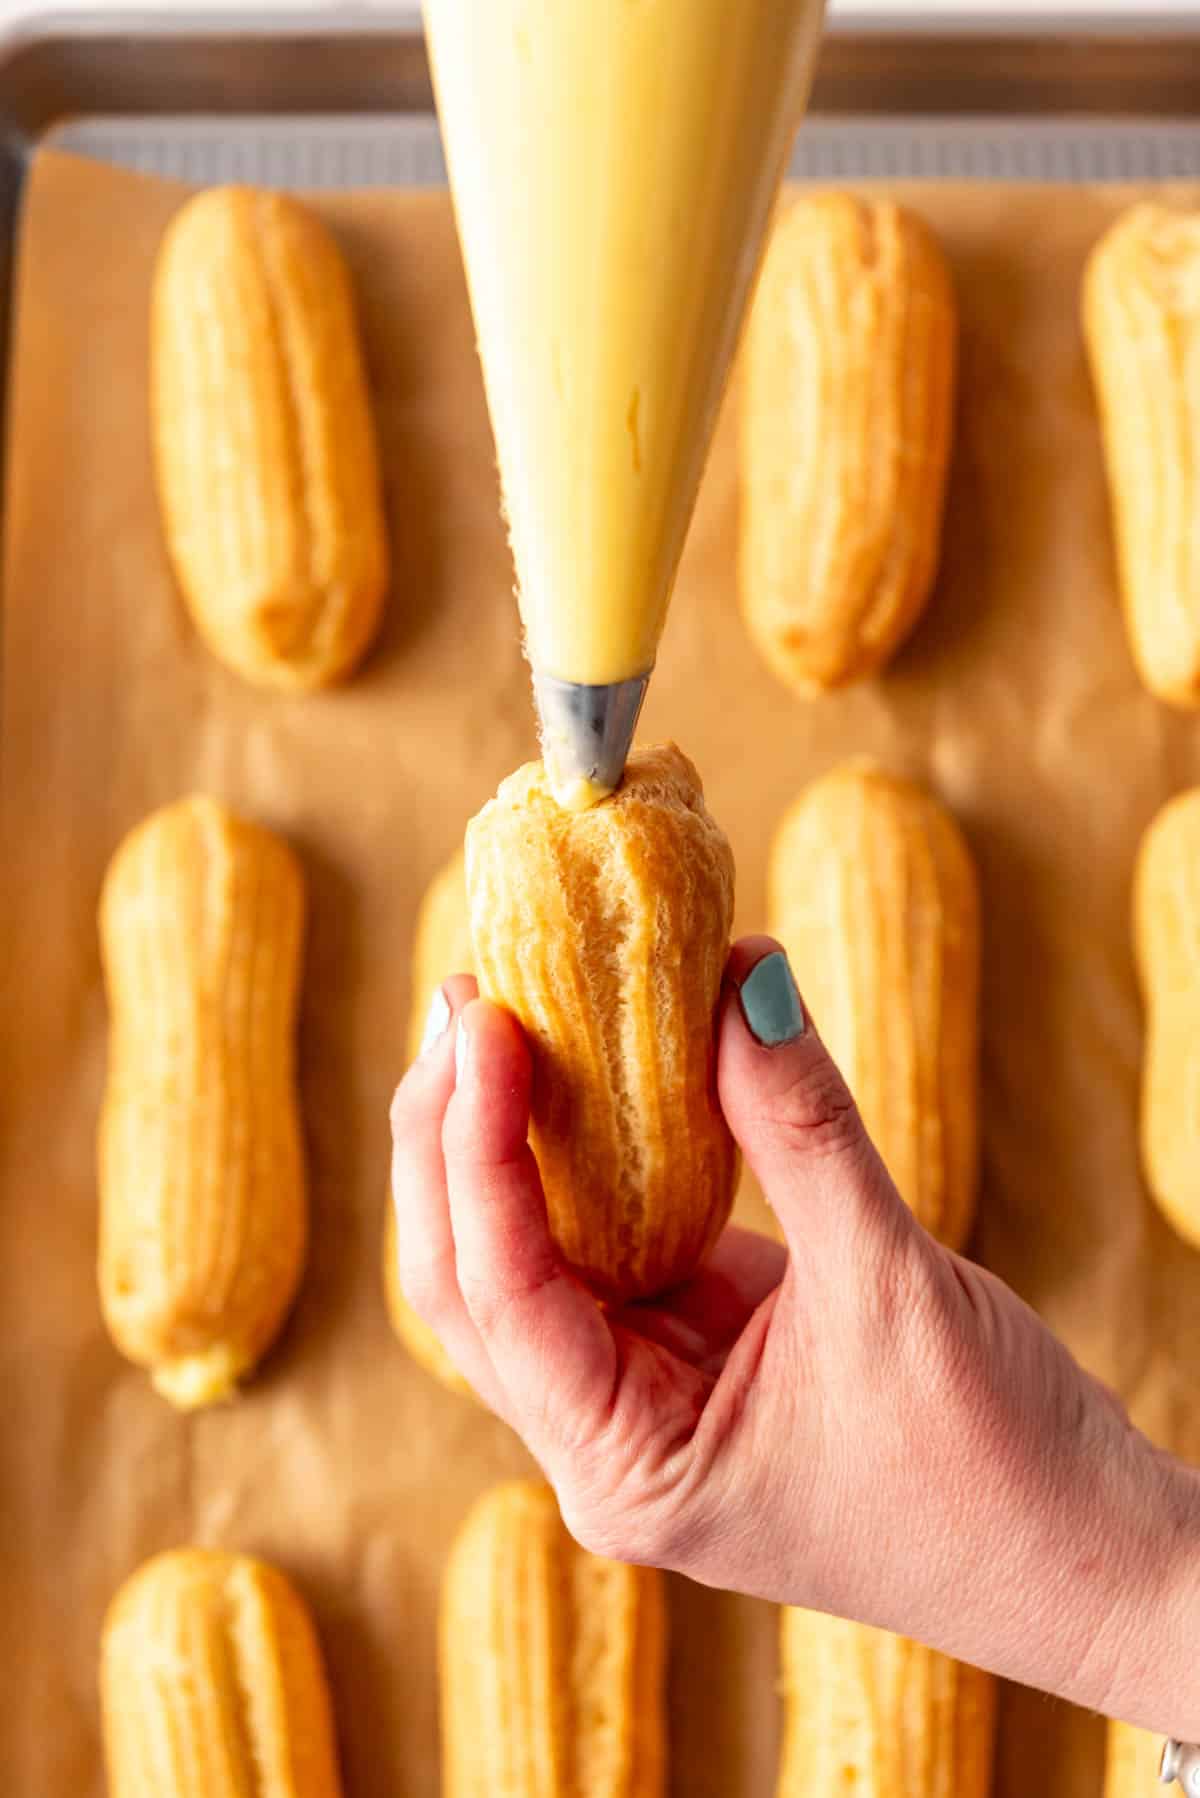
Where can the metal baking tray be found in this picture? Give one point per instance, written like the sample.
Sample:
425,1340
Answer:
281,97
319,100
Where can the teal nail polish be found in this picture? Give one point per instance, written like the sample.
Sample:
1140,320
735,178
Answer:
770,1003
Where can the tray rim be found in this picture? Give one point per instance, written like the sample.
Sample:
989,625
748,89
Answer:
78,61
84,22
73,62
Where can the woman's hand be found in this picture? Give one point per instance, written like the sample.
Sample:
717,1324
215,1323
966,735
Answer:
860,1422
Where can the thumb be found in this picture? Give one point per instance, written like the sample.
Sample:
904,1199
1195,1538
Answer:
789,1108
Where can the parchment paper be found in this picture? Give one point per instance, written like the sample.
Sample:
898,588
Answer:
1016,699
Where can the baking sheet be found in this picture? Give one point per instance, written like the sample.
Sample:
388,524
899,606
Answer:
1015,699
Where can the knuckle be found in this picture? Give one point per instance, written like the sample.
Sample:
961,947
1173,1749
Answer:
466,1140
457,1135
400,1113
414,1109
427,1285
485,1304
815,1112
500,1299
494,1296
591,1530
657,1539
901,1292
967,1327
614,1533
632,1513
920,1322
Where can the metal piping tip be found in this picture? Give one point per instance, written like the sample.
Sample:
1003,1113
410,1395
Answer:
586,735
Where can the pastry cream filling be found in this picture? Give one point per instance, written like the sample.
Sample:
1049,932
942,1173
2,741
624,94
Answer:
579,793
614,164
202,1379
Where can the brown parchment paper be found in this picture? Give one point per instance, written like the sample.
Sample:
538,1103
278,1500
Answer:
1016,699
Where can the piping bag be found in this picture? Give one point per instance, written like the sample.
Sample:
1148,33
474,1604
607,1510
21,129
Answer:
614,166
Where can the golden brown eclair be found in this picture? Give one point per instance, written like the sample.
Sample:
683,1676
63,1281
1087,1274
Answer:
201,1166
872,1714
441,946
552,1660
409,1325
872,891
847,420
441,942
1141,319
212,1684
1166,930
605,933
265,452
1131,1762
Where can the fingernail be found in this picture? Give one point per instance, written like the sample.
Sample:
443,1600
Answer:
770,1002
436,1020
460,1050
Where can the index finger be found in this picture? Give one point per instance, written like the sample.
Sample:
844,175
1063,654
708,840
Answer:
581,1392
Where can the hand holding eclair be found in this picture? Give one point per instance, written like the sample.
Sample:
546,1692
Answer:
859,1421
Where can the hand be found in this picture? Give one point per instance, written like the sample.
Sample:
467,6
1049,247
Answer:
859,1422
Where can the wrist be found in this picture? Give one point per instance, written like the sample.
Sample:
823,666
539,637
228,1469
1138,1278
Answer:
1155,1682
1078,1542
1029,1529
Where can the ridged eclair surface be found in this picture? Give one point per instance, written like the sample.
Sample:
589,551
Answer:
872,891
1166,928
212,1684
552,1661
441,943
1132,1762
410,1327
846,427
605,933
201,1170
1141,315
265,451
875,1715
441,946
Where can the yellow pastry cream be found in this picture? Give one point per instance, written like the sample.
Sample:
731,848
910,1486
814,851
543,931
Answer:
613,165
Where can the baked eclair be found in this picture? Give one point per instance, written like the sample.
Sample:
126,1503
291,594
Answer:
605,933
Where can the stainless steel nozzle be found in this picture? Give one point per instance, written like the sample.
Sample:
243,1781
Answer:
586,734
